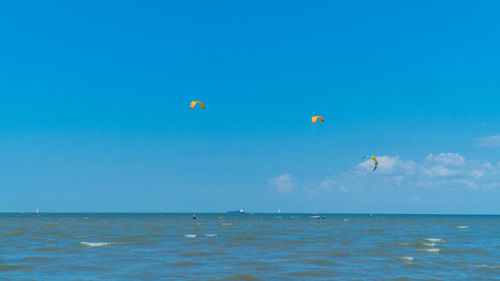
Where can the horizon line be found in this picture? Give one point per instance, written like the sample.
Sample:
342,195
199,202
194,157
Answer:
266,213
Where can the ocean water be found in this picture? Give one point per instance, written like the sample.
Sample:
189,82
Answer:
248,247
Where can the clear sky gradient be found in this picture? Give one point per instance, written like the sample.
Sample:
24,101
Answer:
94,106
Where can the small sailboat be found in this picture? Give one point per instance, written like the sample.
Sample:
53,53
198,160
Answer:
37,211
241,211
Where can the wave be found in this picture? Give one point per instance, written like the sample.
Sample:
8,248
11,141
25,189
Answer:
431,250
462,226
435,240
192,236
95,244
488,267
407,259
211,235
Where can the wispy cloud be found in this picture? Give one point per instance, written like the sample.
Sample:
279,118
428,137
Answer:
493,141
284,183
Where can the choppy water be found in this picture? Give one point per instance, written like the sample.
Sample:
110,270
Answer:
248,247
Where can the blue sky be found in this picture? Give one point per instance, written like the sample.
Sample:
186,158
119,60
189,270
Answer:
94,106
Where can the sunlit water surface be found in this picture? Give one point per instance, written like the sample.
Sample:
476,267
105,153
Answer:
248,247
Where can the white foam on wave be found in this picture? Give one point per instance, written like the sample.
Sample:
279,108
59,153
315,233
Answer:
431,250
227,223
462,226
407,259
211,234
435,240
190,236
95,244
346,220
429,244
488,266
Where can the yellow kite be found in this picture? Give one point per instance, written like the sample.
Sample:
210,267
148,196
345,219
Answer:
315,118
193,104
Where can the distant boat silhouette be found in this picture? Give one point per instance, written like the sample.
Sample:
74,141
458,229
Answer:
37,211
241,211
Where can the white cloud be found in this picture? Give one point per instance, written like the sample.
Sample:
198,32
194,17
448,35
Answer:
435,171
439,171
283,183
487,165
326,183
493,141
443,171
454,159
388,165
478,173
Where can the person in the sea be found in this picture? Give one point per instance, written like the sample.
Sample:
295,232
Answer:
194,217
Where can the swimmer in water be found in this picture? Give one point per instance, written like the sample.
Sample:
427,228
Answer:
194,217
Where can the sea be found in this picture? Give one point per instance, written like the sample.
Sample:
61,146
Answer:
174,246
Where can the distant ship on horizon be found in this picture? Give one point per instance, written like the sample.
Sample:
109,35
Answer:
241,211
